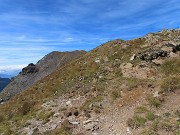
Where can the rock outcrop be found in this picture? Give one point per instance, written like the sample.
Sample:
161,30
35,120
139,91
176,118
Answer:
30,69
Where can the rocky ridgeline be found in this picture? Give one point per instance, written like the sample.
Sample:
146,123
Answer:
99,92
87,121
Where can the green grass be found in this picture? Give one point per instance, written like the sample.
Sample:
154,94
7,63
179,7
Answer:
1,118
150,116
131,82
139,120
85,106
136,121
170,84
166,126
44,116
139,41
177,113
171,67
177,133
153,102
148,132
26,107
155,125
141,109
5,129
115,94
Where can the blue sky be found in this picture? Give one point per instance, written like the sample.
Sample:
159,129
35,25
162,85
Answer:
31,29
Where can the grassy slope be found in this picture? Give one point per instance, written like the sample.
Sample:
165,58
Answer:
83,72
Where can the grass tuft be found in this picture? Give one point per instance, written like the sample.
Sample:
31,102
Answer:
170,84
153,102
171,67
150,116
141,109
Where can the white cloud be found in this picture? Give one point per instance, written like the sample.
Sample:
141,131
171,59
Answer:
11,68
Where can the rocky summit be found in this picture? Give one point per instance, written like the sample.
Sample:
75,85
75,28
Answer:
119,88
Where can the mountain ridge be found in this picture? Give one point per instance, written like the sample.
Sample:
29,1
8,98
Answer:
34,72
120,87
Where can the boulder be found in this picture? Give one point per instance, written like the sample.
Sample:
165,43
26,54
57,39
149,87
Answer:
167,49
158,61
1,100
176,48
133,57
173,55
87,122
152,54
156,94
97,60
75,123
128,65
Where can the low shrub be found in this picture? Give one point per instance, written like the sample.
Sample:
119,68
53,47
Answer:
176,132
166,126
177,113
25,108
139,120
44,116
1,118
150,116
115,94
130,123
170,84
5,130
141,109
155,125
148,132
136,121
92,100
132,83
153,101
171,67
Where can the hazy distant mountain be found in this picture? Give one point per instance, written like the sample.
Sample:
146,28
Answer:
34,72
5,76
9,74
4,82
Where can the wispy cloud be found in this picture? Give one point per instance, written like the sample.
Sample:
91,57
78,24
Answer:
31,29
11,67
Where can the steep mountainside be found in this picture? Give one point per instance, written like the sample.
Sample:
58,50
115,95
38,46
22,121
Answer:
121,87
3,83
32,73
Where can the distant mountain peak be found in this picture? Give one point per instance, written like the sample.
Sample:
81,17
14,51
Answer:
34,72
